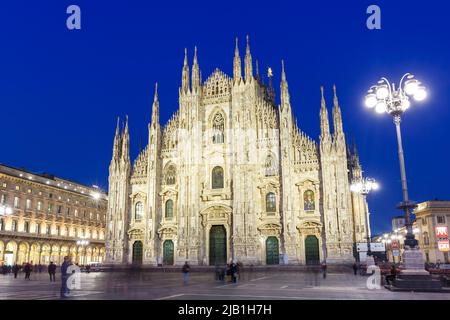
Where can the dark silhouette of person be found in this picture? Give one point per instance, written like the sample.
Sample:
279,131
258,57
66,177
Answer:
355,268
52,271
27,270
15,270
186,268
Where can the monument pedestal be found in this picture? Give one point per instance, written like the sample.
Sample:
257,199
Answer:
414,277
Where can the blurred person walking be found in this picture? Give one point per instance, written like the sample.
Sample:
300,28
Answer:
15,270
27,270
186,268
52,271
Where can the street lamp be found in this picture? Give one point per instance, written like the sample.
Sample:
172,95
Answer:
386,98
364,186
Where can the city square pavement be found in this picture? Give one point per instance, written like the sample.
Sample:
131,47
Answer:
267,285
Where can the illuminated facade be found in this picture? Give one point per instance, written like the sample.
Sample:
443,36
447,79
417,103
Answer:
42,217
231,176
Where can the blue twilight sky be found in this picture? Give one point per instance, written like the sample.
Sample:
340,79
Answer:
61,90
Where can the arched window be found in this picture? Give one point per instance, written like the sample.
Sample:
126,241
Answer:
270,166
169,209
217,178
271,202
171,174
308,200
139,211
218,127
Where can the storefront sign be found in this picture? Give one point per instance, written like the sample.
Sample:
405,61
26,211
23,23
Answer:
444,246
441,232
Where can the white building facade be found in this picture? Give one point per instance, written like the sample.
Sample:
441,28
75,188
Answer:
231,176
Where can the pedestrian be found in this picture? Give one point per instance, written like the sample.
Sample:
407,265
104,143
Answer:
27,270
52,271
217,272
65,277
233,272
15,270
324,269
186,268
40,267
355,269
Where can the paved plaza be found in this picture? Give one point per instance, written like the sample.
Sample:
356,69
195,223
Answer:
272,285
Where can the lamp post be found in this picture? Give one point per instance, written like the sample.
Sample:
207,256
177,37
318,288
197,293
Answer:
386,98
83,243
364,186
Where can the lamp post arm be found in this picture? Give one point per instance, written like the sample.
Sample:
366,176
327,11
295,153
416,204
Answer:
403,78
389,86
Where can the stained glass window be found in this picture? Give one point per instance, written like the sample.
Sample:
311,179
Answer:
308,200
271,202
217,178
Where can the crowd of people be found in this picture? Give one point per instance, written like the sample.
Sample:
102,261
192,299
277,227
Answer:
28,267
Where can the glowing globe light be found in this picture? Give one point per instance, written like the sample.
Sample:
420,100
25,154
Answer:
421,94
381,107
411,87
371,101
382,92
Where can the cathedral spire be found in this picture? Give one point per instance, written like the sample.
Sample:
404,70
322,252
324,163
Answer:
237,67
337,116
248,62
283,73
155,107
117,142
324,122
125,155
185,74
285,99
195,73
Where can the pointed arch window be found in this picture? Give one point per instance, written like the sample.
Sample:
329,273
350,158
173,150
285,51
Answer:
270,166
169,209
218,127
271,202
139,211
308,200
217,178
171,174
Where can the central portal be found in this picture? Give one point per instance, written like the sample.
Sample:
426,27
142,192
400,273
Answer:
217,246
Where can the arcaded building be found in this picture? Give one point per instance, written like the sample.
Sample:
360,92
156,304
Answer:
42,217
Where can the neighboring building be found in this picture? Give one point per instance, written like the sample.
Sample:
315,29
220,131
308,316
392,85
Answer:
231,176
42,217
430,229
432,223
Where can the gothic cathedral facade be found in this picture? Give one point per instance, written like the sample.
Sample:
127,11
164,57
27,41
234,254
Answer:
231,176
